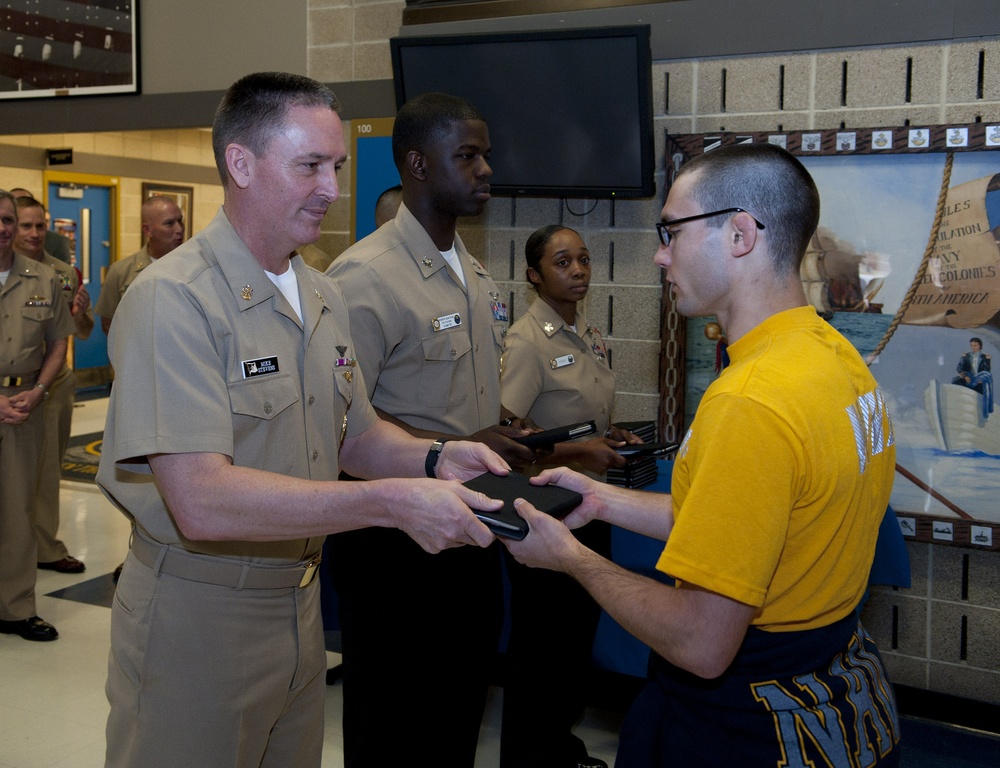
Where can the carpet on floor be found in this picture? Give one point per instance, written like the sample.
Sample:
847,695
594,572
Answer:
82,457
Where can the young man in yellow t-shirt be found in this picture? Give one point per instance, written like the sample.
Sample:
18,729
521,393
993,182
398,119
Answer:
779,488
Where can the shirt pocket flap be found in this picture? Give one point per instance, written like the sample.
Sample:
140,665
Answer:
37,312
446,346
264,397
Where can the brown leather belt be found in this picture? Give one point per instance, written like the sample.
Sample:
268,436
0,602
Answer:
209,570
24,380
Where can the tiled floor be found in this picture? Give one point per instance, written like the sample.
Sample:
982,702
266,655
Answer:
52,704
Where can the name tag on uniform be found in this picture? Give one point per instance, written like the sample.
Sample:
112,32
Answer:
559,362
259,367
445,322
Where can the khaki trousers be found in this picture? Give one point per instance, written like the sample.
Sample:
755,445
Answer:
20,452
58,412
205,675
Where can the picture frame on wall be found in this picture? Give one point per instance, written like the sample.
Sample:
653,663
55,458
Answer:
70,49
183,196
906,264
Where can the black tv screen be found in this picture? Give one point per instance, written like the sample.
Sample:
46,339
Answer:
569,112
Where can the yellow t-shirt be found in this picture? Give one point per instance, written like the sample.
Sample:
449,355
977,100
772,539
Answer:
783,478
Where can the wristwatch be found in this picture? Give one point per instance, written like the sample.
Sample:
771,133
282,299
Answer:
432,456
45,390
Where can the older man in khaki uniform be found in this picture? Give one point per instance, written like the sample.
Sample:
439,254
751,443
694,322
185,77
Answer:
58,408
163,227
240,394
34,325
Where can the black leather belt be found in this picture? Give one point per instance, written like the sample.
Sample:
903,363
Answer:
208,570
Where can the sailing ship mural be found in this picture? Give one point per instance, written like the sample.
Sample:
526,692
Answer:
906,264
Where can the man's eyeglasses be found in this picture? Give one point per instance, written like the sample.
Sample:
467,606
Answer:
666,235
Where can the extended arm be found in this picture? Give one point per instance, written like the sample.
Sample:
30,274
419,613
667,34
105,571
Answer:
695,629
497,438
213,500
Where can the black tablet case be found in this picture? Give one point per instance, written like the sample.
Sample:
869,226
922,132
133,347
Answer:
550,499
647,449
550,437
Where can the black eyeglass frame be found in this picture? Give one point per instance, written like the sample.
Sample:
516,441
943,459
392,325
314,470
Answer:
665,234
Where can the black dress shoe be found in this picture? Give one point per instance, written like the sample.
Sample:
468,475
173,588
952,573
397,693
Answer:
30,629
68,564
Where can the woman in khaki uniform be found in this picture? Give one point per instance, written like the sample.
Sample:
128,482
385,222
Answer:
555,371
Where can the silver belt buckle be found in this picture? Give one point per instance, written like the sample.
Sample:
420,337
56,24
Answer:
311,568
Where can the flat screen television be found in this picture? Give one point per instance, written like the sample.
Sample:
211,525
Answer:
570,111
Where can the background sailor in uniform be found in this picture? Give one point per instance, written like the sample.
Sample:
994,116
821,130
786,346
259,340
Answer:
555,370
34,326
429,323
387,205
58,407
57,244
163,227
239,390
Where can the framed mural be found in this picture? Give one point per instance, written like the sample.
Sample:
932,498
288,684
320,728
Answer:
55,48
183,196
906,264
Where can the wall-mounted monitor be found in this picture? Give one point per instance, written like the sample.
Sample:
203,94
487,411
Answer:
569,111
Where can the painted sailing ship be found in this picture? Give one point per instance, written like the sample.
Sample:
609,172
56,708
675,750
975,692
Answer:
837,278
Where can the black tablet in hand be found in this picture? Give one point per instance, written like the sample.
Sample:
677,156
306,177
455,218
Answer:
550,437
639,450
550,499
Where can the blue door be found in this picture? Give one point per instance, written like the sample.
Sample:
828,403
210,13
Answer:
83,213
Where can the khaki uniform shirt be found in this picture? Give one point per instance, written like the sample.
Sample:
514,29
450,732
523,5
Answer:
429,346
119,277
33,314
556,375
214,359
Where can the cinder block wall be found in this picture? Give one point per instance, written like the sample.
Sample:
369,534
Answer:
944,633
